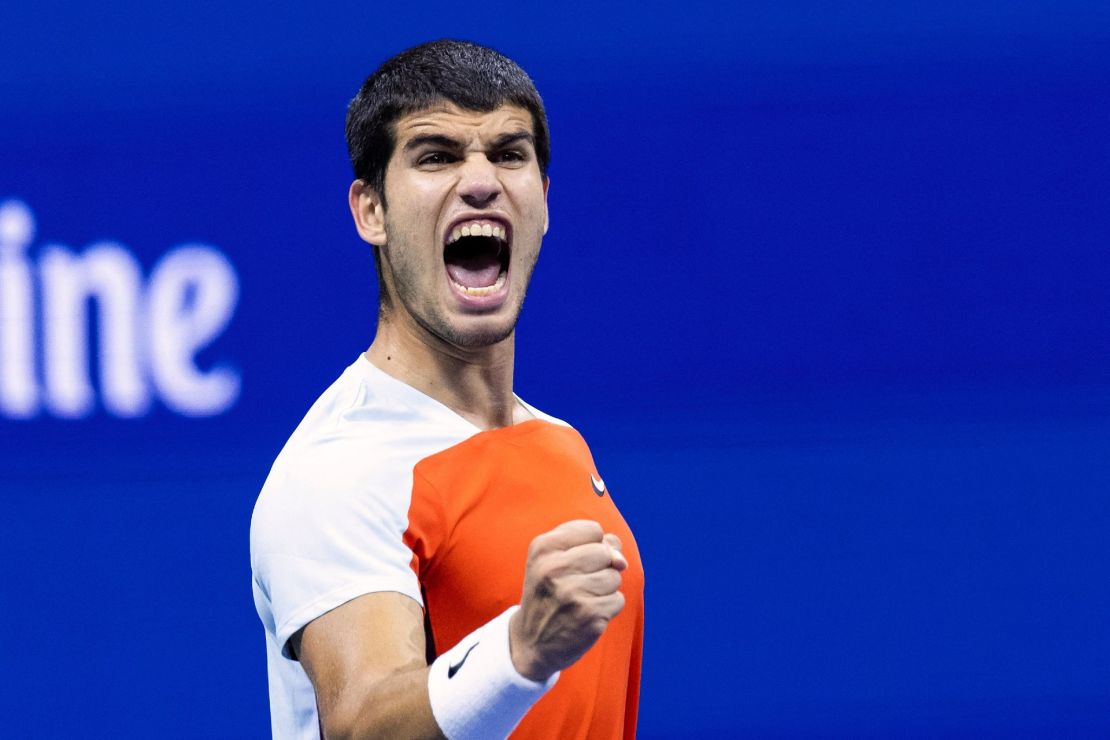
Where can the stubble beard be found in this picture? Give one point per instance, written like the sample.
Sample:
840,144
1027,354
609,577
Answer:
426,313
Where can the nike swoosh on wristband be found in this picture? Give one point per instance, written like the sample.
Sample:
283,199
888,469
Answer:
599,485
453,669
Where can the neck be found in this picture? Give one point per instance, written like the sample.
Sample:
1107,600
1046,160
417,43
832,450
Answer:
477,383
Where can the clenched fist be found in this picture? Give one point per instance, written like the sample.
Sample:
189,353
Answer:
570,594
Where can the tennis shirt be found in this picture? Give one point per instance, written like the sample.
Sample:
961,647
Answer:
382,488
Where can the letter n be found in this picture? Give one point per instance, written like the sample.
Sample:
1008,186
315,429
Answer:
108,274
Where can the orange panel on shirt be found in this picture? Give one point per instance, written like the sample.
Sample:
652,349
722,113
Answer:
475,509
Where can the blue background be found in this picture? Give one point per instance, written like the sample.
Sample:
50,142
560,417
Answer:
825,288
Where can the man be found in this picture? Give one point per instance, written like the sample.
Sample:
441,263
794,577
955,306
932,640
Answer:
432,556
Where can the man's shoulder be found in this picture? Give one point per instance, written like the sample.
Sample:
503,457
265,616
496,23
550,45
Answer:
365,431
541,415
369,411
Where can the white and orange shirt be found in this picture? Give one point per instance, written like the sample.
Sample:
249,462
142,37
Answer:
382,488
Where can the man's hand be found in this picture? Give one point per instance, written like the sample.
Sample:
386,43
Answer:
570,594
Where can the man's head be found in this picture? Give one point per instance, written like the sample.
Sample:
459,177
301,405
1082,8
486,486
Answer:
453,137
470,76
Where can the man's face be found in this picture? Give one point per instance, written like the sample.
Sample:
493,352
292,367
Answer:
466,212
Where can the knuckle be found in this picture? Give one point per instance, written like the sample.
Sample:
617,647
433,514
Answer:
555,563
545,564
587,529
579,611
538,546
563,593
597,626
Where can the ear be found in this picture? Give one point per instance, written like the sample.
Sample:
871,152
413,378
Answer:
546,185
368,213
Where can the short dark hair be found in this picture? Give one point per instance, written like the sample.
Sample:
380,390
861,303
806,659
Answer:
472,77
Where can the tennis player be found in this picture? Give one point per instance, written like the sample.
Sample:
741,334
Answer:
433,556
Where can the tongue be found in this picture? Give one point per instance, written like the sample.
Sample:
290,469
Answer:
475,271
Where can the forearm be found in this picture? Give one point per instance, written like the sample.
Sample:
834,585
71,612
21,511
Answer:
471,691
366,658
394,706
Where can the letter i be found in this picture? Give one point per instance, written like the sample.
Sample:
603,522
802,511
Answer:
19,393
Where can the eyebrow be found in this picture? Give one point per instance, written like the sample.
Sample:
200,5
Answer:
513,137
446,142
433,140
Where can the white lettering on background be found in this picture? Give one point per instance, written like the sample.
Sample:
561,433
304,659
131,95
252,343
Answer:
19,395
180,327
108,274
148,332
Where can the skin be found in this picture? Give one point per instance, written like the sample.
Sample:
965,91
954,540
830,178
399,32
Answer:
430,339
366,658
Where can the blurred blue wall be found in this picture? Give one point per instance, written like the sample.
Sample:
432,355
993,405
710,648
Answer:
826,289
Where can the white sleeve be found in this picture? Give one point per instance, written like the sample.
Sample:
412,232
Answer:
329,527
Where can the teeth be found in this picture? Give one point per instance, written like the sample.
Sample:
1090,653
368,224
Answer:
482,291
478,228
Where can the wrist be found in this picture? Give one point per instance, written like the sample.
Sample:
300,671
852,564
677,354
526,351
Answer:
524,657
475,689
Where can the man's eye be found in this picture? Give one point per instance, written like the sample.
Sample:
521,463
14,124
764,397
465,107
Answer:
508,155
434,158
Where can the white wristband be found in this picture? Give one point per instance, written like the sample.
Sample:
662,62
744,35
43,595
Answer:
474,688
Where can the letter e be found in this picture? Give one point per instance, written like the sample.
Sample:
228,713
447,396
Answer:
192,294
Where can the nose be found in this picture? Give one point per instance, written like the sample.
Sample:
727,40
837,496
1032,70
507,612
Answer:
479,185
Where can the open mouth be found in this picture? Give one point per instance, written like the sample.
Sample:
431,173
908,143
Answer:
476,254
